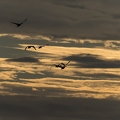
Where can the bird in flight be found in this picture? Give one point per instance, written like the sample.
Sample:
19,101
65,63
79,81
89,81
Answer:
30,47
42,46
61,65
19,24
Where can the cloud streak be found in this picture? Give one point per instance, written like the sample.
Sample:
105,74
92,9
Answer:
93,61
23,59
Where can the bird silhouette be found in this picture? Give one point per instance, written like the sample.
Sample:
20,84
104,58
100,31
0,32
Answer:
61,65
19,24
42,46
30,47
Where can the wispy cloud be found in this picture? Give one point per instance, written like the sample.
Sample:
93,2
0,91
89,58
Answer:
23,59
61,87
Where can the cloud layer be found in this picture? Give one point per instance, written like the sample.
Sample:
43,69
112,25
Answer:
95,19
23,59
31,107
83,31
93,61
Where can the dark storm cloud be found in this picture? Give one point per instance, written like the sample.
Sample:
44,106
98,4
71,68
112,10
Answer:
93,61
45,108
93,19
23,59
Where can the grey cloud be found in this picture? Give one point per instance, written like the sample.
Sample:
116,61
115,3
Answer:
84,58
76,6
23,59
93,61
40,91
61,108
105,76
92,20
116,16
9,43
70,4
98,76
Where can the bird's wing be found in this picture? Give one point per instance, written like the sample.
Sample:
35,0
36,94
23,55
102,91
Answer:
68,62
40,46
61,64
14,23
26,47
34,47
24,20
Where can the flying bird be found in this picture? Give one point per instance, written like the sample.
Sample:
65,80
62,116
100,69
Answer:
19,24
61,65
30,47
42,46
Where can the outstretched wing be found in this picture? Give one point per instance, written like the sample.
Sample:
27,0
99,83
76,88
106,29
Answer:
34,47
40,46
67,63
26,47
62,64
14,23
24,20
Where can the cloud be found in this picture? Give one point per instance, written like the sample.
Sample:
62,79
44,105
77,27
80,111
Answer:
70,4
93,61
7,75
31,107
76,6
23,59
101,75
95,19
62,87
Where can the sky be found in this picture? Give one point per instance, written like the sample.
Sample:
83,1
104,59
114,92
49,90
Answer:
84,32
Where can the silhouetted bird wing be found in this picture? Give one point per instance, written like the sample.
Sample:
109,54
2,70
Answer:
67,63
23,21
15,23
18,24
34,47
62,64
40,46
26,47
30,47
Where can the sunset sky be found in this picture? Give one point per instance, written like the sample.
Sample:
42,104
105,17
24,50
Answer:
84,32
